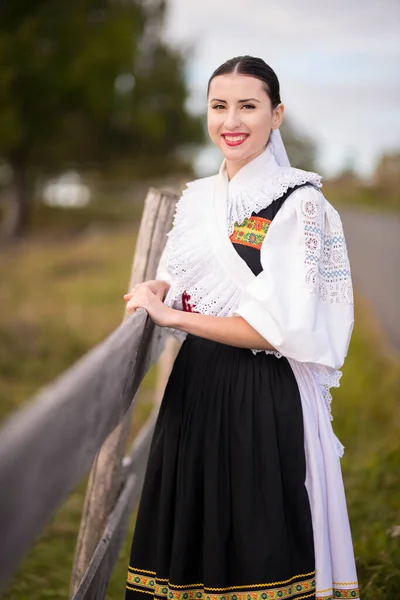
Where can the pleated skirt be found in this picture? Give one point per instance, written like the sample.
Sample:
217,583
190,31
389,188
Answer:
224,513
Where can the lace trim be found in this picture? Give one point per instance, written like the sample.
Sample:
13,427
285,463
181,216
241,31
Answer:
275,352
264,191
326,381
191,260
327,266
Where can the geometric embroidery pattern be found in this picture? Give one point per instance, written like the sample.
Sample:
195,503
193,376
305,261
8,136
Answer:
295,588
251,232
326,259
341,594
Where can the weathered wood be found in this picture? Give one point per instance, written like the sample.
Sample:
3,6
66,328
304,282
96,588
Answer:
48,446
96,578
164,367
102,491
105,477
156,222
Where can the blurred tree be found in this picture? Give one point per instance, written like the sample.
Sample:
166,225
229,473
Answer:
387,173
300,148
348,173
82,84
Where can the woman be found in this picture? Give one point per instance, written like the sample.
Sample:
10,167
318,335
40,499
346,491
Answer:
243,495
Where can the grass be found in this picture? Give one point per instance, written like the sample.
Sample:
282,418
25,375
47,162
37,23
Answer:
357,195
368,423
58,298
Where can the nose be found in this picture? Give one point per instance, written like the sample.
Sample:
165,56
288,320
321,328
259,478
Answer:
232,120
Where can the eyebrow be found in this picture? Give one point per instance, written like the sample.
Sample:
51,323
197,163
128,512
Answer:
224,101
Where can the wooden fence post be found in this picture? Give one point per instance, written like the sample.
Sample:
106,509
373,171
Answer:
164,367
105,477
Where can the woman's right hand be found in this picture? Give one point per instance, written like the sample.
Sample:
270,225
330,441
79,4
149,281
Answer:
156,286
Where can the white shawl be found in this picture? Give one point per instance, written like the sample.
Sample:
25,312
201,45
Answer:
301,303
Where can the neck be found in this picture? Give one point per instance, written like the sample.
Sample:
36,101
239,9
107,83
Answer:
234,166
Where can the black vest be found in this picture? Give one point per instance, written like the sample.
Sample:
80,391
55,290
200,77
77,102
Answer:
247,237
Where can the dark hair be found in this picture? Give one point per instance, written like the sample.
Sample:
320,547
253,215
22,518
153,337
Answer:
255,67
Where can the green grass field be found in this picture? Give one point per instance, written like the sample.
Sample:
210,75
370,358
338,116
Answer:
58,298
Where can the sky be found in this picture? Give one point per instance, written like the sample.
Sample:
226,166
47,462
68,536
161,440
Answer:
338,63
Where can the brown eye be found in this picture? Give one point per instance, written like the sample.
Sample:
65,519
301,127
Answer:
248,106
218,106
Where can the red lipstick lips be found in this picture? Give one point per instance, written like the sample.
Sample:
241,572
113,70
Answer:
235,139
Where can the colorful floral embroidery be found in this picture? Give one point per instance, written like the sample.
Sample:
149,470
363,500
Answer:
340,594
147,583
251,232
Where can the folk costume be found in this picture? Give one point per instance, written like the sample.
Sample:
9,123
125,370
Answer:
243,497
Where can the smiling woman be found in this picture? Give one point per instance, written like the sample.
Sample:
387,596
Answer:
243,496
242,112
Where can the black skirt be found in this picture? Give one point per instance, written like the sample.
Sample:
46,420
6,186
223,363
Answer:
224,513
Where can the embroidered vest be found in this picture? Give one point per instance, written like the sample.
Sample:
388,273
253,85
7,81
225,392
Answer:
248,237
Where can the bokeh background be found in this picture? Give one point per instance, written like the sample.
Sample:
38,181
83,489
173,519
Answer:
99,99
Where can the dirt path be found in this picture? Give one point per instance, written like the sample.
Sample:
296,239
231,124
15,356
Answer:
373,242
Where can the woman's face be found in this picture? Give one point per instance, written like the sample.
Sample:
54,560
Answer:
240,118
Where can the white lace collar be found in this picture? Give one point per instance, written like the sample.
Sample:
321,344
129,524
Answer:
258,184
201,260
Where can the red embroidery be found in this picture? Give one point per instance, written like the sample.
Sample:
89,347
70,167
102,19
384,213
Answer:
185,303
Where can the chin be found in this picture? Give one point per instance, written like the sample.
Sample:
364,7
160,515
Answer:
237,154
234,152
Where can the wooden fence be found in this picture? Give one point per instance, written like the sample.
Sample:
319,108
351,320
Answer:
80,421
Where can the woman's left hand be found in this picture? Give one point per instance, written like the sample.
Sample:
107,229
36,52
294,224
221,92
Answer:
159,313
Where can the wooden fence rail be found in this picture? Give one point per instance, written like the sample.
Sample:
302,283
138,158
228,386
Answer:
104,481
94,583
48,446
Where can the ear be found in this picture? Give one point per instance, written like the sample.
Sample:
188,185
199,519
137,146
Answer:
277,116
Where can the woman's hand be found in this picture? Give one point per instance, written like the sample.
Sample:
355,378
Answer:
158,287
142,296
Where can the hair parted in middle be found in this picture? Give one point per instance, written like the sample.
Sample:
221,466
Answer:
253,67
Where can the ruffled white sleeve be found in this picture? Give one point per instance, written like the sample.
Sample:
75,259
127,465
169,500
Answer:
302,301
